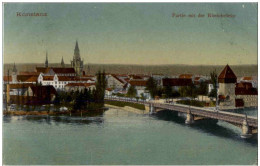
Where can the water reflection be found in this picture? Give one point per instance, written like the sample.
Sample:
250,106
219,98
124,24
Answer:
84,120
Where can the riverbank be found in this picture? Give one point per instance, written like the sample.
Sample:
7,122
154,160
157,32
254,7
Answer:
128,108
56,113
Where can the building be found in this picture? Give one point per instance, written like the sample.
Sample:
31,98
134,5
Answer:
246,94
79,86
29,94
250,79
140,86
60,71
115,83
77,63
176,83
41,94
232,94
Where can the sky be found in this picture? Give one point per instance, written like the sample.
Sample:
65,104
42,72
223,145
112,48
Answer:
131,33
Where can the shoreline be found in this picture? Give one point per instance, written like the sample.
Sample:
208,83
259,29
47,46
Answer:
129,109
55,113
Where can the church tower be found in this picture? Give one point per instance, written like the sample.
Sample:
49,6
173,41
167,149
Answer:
46,61
77,63
62,63
14,74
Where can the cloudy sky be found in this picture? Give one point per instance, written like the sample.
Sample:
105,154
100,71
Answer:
131,33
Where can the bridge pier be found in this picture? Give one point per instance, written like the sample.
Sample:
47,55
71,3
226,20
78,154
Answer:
246,130
151,109
189,118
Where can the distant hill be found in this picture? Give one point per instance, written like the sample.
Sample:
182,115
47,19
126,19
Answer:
240,70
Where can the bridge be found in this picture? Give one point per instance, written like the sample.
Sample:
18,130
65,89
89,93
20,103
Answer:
249,124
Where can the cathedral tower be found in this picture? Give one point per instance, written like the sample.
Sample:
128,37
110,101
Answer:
77,63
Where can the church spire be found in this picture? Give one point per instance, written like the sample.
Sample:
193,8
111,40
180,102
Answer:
46,61
62,62
14,69
76,51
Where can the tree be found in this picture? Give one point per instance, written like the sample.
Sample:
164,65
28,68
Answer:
202,89
151,86
101,85
131,91
78,101
56,101
213,77
188,91
168,91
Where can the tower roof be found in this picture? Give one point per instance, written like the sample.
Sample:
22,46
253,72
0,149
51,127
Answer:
77,46
227,76
76,51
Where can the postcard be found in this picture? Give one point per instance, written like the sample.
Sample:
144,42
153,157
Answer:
130,83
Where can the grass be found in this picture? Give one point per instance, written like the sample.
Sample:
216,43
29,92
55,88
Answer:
123,104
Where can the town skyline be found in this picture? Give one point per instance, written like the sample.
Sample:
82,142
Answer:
142,34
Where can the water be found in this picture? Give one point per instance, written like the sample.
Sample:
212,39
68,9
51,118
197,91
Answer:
120,137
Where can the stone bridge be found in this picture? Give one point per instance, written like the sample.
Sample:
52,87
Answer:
249,124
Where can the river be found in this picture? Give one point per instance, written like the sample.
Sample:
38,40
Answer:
121,137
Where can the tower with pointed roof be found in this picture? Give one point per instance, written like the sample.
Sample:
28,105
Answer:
227,83
62,63
46,61
77,63
14,74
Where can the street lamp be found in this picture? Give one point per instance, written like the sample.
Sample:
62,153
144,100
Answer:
217,86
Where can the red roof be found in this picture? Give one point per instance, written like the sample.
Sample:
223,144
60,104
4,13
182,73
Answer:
138,82
41,69
177,82
48,78
19,86
28,73
185,76
32,79
247,78
227,76
64,78
80,84
113,75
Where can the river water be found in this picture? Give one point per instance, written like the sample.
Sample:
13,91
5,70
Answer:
121,137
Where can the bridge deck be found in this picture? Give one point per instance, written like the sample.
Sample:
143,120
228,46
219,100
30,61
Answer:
220,115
